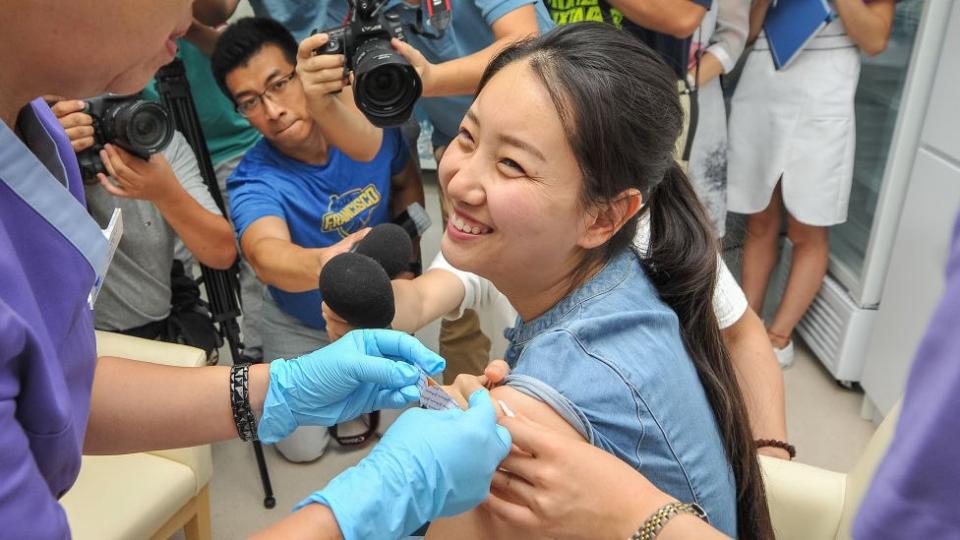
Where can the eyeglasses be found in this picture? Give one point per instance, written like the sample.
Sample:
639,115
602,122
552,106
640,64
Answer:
252,105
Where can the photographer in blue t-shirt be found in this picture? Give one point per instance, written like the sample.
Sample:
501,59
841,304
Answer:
297,200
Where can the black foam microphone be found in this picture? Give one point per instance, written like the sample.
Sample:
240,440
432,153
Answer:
358,289
390,245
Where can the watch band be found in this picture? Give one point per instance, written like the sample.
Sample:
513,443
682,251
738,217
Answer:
655,523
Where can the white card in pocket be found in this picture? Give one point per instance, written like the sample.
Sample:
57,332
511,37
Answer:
113,232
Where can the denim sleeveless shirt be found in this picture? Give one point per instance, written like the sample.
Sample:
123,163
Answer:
610,360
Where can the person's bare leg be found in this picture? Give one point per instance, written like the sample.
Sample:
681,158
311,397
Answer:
760,250
811,253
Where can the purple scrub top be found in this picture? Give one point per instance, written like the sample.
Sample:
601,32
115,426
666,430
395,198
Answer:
914,492
49,249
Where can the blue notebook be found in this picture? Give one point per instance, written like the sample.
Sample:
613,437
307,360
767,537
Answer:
790,24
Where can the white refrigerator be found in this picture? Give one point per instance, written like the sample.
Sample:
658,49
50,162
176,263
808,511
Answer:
891,106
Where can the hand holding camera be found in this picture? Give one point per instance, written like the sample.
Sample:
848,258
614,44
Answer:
142,128
386,86
323,76
135,178
77,124
419,62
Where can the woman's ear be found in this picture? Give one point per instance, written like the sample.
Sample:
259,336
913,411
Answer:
609,218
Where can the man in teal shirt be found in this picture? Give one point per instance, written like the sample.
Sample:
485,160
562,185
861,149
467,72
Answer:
228,136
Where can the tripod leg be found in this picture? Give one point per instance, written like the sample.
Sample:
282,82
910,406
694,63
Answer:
268,500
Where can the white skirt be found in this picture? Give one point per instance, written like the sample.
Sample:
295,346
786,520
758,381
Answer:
797,124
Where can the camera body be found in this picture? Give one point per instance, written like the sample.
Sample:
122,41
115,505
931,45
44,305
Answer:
386,86
140,127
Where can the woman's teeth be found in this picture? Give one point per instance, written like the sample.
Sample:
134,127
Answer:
462,226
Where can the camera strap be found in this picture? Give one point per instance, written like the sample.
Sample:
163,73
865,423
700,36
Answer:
438,13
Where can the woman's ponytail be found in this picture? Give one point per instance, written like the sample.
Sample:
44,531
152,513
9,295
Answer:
618,103
682,263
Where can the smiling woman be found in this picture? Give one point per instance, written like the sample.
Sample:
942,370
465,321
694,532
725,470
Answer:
568,136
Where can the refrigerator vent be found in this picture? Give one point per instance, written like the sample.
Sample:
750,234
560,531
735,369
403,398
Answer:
836,330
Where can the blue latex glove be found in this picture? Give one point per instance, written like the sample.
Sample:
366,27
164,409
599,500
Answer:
429,464
364,371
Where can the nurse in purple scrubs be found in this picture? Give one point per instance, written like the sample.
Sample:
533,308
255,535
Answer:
58,400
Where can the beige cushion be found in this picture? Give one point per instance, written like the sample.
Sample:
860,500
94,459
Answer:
146,350
129,496
133,495
805,502
810,503
858,479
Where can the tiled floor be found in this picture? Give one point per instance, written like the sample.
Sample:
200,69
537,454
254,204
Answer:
823,420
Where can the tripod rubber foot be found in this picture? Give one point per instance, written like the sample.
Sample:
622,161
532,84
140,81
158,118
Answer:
269,502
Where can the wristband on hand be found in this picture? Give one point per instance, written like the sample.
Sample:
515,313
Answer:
240,402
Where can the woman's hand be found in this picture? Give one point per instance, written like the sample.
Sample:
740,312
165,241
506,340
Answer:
336,325
465,385
555,487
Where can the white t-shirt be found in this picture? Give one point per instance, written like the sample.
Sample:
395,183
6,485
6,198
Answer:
496,314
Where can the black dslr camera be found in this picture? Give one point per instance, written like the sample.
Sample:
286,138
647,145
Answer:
386,86
140,127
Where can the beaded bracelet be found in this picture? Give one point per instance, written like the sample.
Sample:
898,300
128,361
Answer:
240,402
655,523
775,443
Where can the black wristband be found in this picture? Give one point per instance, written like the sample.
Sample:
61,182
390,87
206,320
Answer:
240,402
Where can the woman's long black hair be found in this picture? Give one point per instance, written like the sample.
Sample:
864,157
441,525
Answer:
619,105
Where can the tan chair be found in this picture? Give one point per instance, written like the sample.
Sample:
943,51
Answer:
147,495
810,503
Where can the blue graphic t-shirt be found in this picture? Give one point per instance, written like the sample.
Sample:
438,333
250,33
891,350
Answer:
322,204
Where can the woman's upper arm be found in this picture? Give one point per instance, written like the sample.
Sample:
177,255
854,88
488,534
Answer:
529,407
479,523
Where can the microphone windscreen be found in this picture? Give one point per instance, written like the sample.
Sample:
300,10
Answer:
390,245
358,289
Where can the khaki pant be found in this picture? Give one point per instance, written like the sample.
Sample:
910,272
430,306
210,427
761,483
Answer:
464,346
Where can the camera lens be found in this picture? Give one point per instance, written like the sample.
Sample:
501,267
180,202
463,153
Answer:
386,86
146,128
143,127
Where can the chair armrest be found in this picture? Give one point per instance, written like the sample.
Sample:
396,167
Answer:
805,502
147,350
198,458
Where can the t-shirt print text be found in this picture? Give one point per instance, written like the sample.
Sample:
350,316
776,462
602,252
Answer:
350,211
